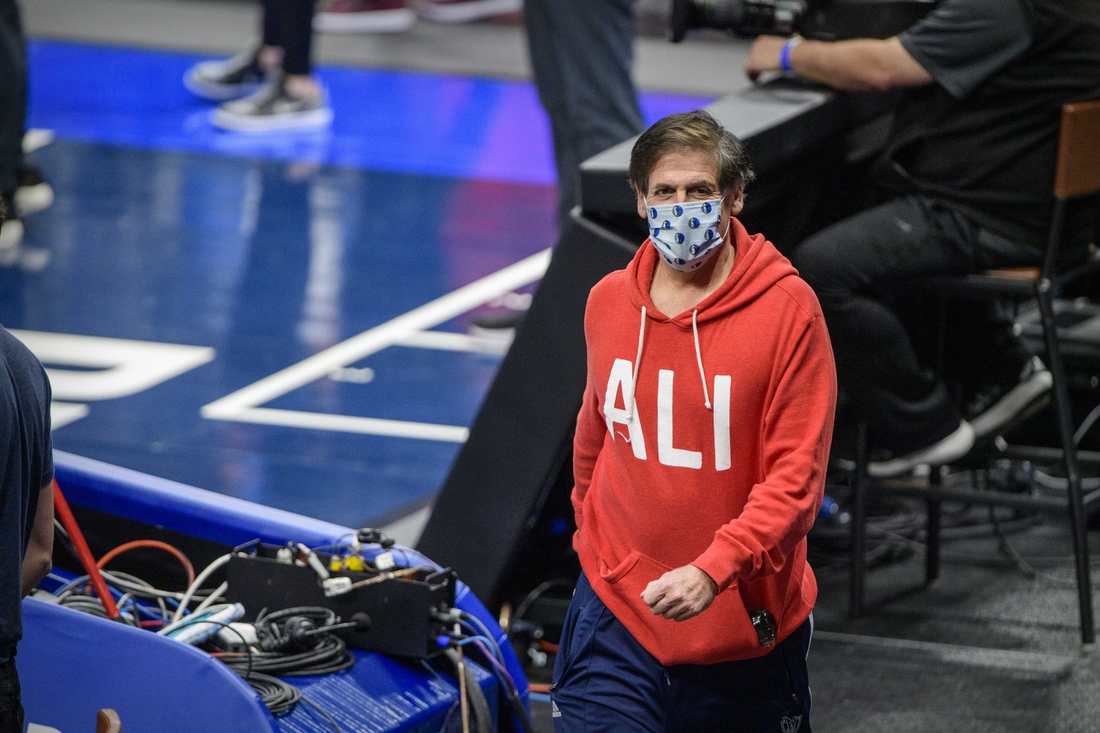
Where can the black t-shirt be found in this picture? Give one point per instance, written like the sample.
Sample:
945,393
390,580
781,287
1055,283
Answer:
961,43
27,460
982,138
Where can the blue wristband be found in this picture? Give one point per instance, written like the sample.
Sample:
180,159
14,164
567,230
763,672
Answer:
785,52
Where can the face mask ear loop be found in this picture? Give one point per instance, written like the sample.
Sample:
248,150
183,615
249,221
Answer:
699,358
637,366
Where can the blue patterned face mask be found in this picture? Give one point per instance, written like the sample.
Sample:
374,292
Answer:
686,235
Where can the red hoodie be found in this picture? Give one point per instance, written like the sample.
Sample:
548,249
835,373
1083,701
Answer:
663,480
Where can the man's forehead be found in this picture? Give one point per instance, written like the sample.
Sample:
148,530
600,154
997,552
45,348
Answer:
685,166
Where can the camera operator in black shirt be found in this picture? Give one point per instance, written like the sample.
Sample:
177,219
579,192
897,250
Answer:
969,164
26,503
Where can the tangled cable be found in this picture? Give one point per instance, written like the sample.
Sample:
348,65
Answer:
296,642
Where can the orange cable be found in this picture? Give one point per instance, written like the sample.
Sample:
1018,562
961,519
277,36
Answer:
157,544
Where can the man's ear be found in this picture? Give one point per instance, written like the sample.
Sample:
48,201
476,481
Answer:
641,203
737,202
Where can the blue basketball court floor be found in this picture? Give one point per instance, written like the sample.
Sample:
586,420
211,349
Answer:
283,318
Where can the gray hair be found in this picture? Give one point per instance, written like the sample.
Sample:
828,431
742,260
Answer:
691,131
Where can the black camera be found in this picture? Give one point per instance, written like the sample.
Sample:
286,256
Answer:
823,20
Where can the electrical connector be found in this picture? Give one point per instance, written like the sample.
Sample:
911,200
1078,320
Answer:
236,632
384,561
336,586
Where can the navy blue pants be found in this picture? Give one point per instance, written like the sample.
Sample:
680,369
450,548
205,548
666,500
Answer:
605,681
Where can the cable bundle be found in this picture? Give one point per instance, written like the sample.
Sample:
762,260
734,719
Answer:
279,697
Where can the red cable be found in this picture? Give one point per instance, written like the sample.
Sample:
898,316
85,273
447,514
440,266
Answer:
156,544
86,557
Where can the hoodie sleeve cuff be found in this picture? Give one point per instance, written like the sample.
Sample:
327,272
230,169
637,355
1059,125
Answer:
722,562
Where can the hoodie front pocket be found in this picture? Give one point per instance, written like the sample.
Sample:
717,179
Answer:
614,574
723,631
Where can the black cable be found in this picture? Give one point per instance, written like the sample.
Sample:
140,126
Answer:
535,594
279,697
330,655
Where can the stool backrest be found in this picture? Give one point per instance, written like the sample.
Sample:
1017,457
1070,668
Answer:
1078,171
107,721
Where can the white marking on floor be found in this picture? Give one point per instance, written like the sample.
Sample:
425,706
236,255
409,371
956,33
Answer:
352,424
113,368
447,341
64,413
244,404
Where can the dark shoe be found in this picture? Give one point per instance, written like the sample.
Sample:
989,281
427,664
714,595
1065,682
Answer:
271,109
997,408
945,451
220,81
33,193
499,319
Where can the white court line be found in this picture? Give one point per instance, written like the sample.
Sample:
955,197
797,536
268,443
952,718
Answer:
242,405
447,341
352,424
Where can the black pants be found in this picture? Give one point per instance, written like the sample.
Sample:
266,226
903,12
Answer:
606,682
288,24
13,96
11,709
860,268
581,54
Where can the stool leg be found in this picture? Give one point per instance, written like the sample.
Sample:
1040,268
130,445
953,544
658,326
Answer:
1065,429
935,523
860,480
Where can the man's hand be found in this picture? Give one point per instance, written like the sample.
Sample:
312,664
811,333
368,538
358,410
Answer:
680,594
763,56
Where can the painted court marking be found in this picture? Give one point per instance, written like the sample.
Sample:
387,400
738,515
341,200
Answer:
245,405
109,368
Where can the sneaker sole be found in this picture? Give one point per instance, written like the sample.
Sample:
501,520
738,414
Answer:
1006,409
953,447
396,20
217,92
36,138
465,12
272,123
32,199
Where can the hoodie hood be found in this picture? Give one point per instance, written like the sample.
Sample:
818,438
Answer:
757,267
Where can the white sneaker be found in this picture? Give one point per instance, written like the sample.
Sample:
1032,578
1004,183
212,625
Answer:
364,16
953,447
272,109
11,235
1035,381
33,193
220,81
465,11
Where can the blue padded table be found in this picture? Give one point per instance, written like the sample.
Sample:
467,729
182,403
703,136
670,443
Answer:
72,664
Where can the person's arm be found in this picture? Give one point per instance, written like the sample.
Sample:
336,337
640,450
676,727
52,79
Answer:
38,559
781,509
589,437
797,433
858,65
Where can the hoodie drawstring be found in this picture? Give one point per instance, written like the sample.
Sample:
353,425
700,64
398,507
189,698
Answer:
699,358
637,366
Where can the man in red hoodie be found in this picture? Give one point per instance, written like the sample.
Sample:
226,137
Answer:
699,461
